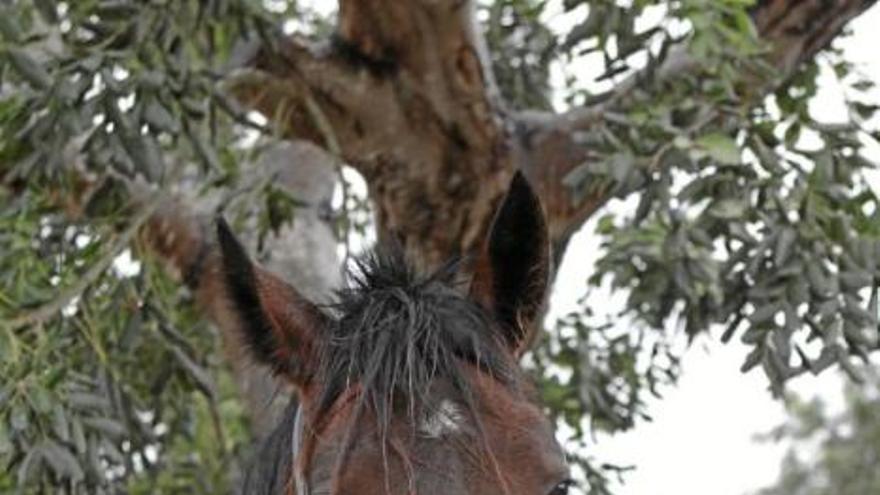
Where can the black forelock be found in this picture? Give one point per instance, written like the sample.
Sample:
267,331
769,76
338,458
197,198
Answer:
399,331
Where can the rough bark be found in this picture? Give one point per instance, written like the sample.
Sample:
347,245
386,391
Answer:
410,101
406,91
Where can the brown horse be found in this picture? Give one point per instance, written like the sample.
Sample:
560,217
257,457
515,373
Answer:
407,385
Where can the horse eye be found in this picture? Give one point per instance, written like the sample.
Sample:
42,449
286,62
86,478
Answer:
561,488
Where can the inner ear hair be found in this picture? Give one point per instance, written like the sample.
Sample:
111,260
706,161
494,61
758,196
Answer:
277,323
512,271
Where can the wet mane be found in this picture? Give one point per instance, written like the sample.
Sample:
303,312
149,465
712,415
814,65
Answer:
398,331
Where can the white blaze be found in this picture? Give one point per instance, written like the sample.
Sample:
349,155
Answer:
444,420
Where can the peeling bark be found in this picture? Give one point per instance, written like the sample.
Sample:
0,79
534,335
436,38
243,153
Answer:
411,100
407,89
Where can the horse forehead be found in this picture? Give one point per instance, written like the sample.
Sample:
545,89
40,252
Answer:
450,436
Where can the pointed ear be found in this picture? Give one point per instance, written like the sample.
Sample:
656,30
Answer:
513,268
278,324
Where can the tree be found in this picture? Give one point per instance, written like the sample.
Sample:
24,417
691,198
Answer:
845,462
124,125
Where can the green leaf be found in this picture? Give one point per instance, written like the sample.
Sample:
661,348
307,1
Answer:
159,117
61,460
6,446
720,147
10,27
856,280
47,9
752,359
109,426
78,434
29,69
729,209
784,244
85,401
29,467
765,313
19,418
60,425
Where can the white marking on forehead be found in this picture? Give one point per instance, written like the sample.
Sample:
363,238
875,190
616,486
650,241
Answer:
445,420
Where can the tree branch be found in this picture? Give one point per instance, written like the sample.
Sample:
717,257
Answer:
279,84
794,30
408,91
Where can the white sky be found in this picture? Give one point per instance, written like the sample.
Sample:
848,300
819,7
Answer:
701,439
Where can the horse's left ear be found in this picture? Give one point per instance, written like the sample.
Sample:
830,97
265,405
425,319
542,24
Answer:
279,325
513,267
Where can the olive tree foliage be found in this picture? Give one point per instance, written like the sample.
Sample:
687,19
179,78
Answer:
752,215
832,453
111,383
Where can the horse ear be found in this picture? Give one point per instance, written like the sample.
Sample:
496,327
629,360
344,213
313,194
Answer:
513,267
278,324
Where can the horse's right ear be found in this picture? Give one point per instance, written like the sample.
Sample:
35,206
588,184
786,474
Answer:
277,323
512,270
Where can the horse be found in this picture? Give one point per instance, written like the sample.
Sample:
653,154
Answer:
408,383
